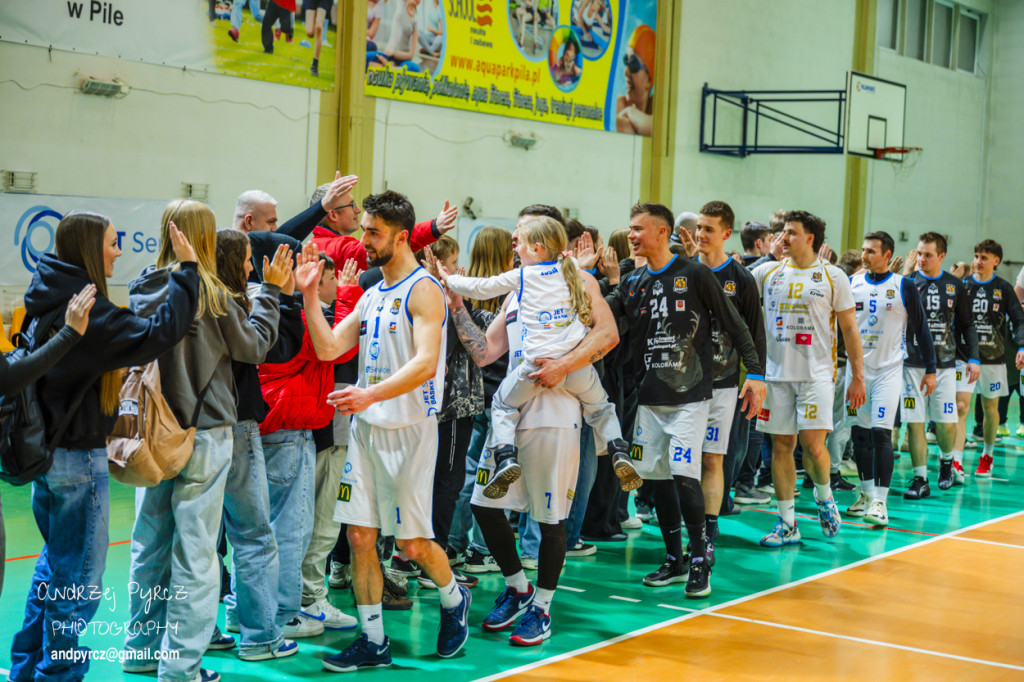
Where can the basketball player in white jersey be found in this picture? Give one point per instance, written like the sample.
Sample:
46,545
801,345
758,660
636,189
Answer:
399,325
548,438
803,296
888,312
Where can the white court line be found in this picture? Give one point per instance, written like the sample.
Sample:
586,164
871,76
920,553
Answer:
569,589
861,640
630,600
740,600
677,608
991,478
990,542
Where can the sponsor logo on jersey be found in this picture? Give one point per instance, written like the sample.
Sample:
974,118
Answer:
570,494
636,452
393,327
890,293
680,305
778,322
888,306
511,317
679,285
396,305
552,271
544,318
949,302
816,277
997,294
730,287
483,476
860,305
764,414
374,350
851,412
950,290
362,328
909,403
344,493
995,307
658,289
803,339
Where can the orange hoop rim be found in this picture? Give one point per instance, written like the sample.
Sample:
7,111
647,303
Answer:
882,152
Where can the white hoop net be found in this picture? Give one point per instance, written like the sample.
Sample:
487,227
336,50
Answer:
904,161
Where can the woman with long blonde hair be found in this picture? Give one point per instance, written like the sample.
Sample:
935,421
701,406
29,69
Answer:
79,398
554,310
174,540
491,255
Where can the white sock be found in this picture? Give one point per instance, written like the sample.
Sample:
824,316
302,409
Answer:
880,493
945,456
822,491
921,471
519,582
787,510
543,599
988,449
867,488
451,595
958,456
371,619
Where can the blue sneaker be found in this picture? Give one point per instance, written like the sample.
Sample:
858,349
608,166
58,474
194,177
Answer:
454,626
361,653
220,642
284,650
828,517
533,629
782,534
509,605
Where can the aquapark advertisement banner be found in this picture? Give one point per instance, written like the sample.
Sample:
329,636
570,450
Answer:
34,219
584,63
269,40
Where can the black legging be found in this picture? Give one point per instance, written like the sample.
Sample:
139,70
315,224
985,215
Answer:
502,542
453,438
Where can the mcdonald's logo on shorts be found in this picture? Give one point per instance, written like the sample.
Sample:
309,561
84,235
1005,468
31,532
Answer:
636,452
483,476
345,492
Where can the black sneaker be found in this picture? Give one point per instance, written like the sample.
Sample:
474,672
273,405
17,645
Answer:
461,578
672,571
455,558
698,584
808,483
919,489
506,472
946,476
480,563
394,597
400,566
837,482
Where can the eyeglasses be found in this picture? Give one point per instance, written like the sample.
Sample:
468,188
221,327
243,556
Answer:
633,63
351,205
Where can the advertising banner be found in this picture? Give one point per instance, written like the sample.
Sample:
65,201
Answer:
34,219
584,63
272,40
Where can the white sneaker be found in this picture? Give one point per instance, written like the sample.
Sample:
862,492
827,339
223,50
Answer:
231,620
529,562
330,615
848,467
341,575
860,507
877,514
300,627
632,523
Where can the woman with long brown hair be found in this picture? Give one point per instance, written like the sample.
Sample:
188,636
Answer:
177,524
79,398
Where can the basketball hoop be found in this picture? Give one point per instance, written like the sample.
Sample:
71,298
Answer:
903,159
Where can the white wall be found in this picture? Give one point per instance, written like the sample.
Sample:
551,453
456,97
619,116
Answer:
173,126
432,154
1004,200
739,45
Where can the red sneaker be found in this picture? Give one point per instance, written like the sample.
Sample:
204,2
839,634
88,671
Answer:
984,466
233,32
958,474
277,34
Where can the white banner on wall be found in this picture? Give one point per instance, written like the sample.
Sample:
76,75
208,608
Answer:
30,225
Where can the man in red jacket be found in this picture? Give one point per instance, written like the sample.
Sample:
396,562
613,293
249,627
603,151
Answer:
304,483
333,236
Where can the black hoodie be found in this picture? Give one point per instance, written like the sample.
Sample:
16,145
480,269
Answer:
115,338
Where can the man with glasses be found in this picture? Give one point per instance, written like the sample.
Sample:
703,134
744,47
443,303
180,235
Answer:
634,110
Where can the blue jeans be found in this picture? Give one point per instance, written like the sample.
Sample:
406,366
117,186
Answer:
247,525
174,584
71,503
291,472
236,12
584,482
459,536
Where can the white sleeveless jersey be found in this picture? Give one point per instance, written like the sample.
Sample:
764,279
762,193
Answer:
552,408
800,306
386,345
881,319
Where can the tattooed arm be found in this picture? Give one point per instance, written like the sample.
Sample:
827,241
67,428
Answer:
595,345
483,347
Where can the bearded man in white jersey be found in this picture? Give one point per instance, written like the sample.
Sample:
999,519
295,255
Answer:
803,296
399,325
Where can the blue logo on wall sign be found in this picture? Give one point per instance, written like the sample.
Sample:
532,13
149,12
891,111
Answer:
33,223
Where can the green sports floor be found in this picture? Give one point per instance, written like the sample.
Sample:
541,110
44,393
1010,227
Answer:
600,597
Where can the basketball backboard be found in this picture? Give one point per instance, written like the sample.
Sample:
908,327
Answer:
874,114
